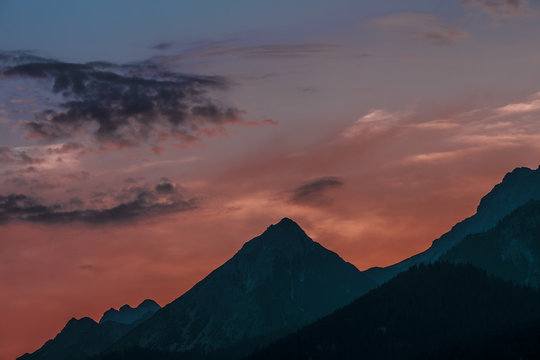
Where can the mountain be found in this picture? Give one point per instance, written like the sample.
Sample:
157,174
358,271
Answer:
428,312
128,315
517,188
277,282
84,337
510,250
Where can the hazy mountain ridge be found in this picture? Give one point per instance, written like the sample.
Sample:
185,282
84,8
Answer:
128,315
82,338
511,250
517,188
79,339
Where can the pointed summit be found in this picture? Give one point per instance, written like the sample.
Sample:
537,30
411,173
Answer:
276,283
286,227
283,237
287,223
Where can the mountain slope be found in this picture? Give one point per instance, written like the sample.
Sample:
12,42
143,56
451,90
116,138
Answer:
510,250
82,338
278,282
422,313
517,188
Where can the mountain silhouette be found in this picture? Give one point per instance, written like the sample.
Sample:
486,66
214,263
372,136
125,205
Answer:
82,338
428,312
282,280
128,315
517,188
510,250
277,282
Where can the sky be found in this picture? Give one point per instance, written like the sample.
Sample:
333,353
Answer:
141,144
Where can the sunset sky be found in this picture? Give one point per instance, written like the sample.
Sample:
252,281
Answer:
142,143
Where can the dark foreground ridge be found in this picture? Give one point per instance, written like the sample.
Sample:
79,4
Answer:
429,312
511,250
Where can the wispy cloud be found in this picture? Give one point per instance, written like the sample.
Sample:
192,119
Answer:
501,8
375,122
532,105
264,51
426,27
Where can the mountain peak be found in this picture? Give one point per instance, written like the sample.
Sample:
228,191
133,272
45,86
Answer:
148,303
128,315
286,222
517,187
285,236
285,225
276,283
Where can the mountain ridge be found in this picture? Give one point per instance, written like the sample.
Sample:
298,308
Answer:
268,286
516,188
84,337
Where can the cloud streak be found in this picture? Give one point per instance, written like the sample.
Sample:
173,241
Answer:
501,8
314,191
426,27
264,51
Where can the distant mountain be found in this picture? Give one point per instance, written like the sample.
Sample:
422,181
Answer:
428,312
517,188
277,282
510,250
128,315
83,338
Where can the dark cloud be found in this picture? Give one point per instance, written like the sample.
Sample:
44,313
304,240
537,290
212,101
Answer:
165,188
135,203
500,8
313,192
125,105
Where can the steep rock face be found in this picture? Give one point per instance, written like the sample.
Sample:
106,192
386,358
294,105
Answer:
82,338
517,187
510,250
277,282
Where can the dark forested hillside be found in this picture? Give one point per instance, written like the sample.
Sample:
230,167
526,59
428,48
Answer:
426,312
510,250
